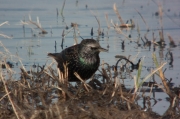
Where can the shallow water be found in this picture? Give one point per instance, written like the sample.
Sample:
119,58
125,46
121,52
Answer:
34,49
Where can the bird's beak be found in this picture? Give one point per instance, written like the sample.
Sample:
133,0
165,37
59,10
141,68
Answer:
102,49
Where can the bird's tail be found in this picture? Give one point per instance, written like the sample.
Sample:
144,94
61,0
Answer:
56,56
53,55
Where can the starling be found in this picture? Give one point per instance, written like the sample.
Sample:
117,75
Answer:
82,58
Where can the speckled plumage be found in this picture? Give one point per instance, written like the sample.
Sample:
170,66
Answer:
82,58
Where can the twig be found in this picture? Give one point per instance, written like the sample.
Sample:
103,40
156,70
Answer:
6,22
99,26
5,36
62,88
161,75
141,16
34,23
161,21
117,13
63,7
107,21
118,30
5,95
75,38
39,26
85,84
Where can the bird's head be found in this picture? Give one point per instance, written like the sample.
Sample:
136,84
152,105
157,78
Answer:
91,47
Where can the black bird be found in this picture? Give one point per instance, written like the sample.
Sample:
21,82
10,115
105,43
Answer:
82,58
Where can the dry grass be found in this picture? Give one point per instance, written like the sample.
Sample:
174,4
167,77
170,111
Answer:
42,95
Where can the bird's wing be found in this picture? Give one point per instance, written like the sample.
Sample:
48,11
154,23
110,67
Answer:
70,52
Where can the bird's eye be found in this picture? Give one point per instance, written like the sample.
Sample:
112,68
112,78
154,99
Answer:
93,48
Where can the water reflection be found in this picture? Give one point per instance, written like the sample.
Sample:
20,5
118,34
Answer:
169,58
